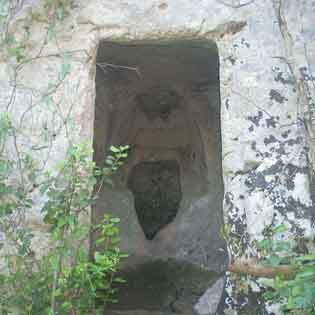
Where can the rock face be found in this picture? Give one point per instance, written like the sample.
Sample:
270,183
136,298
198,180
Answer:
168,286
209,84
208,302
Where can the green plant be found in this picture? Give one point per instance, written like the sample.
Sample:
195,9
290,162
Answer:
64,280
69,196
295,294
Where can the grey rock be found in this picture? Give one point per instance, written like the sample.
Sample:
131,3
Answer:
209,301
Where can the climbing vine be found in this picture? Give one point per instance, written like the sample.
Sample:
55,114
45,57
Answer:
55,283
63,279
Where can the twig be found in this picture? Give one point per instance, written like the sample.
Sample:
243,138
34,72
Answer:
299,82
19,160
312,77
289,56
14,9
252,102
103,65
236,6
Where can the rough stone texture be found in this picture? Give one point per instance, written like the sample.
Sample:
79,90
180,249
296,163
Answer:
167,285
208,302
163,100
157,192
263,142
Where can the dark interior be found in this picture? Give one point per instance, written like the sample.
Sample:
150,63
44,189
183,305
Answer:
162,99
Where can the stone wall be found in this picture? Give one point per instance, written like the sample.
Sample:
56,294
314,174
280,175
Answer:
264,142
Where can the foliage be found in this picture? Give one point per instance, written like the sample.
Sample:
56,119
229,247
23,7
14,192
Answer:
65,280
297,293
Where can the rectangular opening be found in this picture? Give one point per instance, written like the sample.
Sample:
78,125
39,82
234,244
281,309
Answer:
163,99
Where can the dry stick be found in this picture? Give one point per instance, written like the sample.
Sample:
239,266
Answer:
251,267
289,58
251,102
236,6
312,80
312,77
103,65
300,84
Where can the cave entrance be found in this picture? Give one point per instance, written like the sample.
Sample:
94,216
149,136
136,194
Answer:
163,99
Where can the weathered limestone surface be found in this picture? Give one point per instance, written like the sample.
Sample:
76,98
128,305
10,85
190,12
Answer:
264,156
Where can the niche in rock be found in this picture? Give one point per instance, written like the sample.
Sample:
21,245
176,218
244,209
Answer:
163,99
157,192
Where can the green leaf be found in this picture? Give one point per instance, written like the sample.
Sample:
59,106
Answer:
66,305
280,229
296,291
123,255
290,303
306,274
109,162
305,258
115,220
119,280
268,283
57,292
274,260
114,149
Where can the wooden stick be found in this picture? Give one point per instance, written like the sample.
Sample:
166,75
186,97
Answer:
251,267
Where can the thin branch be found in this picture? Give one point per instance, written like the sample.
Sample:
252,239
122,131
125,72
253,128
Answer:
289,58
252,102
15,7
312,77
103,65
303,107
236,6
19,160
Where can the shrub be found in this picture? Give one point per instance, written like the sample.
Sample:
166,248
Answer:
295,294
64,280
